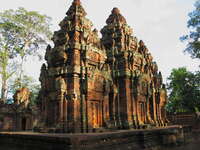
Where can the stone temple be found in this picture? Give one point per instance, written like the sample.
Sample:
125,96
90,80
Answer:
91,83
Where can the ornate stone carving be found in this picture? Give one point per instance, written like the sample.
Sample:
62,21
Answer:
22,96
91,83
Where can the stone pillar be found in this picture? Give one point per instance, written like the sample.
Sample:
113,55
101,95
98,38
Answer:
135,113
155,113
106,112
123,109
129,103
65,115
76,104
60,110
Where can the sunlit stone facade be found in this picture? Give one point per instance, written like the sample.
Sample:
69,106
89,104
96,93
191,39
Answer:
91,83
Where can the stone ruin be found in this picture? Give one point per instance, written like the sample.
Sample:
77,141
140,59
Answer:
20,115
91,83
22,96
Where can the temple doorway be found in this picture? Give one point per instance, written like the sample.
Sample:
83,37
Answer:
24,124
95,114
142,113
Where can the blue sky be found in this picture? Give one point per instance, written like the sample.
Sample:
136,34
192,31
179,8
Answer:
159,23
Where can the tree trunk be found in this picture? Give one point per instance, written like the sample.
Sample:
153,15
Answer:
4,64
23,56
3,89
21,72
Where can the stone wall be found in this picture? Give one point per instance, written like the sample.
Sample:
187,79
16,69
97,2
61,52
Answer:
182,118
152,139
19,116
16,121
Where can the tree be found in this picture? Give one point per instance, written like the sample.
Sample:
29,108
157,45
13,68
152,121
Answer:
193,38
6,70
8,41
184,86
184,91
22,33
33,34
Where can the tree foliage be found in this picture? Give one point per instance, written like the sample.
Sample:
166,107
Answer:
184,91
33,32
22,33
183,85
33,29
193,38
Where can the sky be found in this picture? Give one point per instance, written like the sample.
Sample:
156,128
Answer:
159,23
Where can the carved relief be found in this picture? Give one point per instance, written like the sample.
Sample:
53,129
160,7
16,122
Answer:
92,83
22,96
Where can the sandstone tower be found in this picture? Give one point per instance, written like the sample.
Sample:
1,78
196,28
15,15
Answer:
90,83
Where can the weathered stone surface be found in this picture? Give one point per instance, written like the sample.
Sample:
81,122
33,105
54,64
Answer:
154,139
22,96
20,115
91,83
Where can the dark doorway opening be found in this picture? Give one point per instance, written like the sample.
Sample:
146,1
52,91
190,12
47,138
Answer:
23,124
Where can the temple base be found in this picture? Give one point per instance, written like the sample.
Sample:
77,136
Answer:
159,138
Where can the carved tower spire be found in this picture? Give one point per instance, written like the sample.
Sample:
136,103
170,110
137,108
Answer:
76,9
116,17
117,34
65,84
90,83
120,44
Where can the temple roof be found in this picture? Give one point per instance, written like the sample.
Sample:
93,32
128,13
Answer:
77,2
116,17
76,9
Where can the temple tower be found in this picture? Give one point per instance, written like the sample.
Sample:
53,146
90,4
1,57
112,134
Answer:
90,83
120,46
76,77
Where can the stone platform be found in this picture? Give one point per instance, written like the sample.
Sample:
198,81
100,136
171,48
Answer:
148,139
